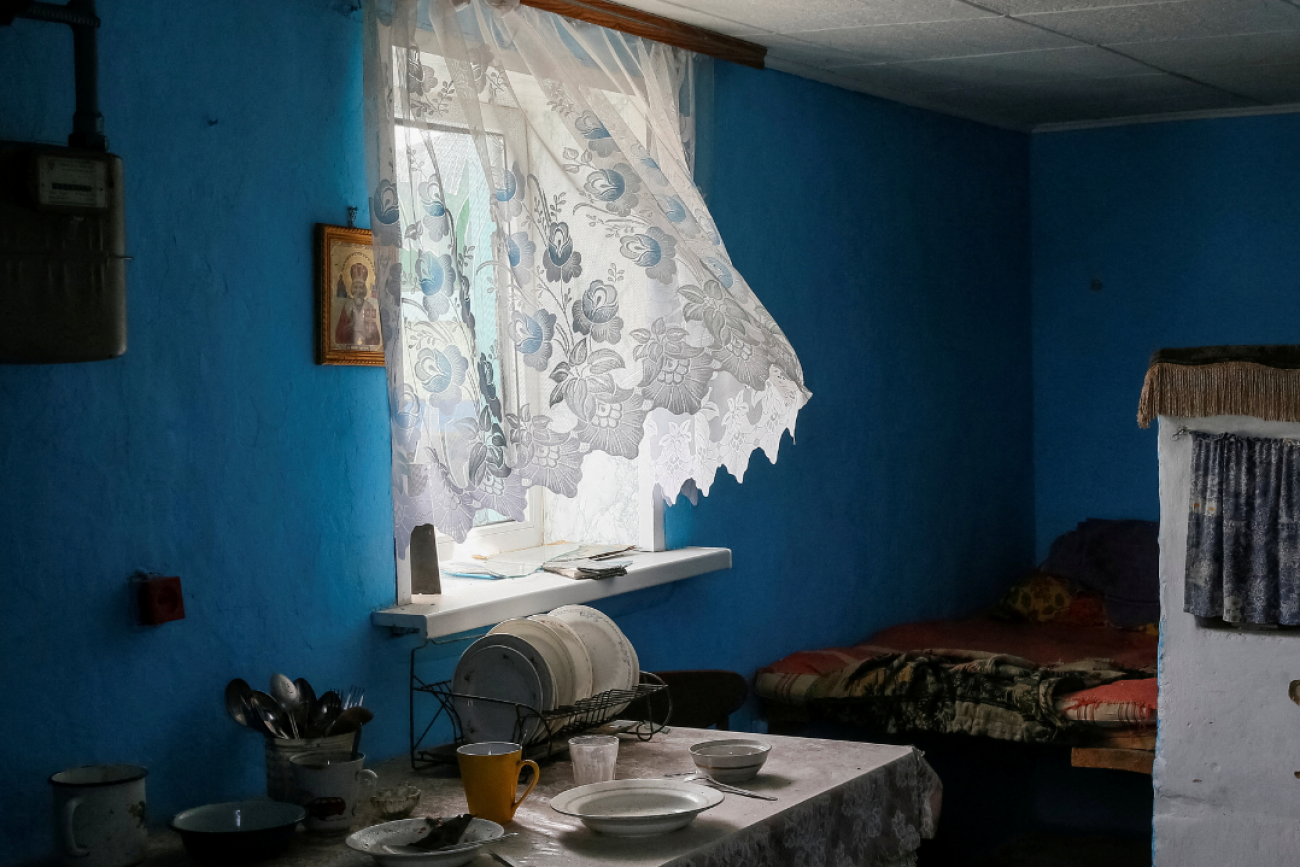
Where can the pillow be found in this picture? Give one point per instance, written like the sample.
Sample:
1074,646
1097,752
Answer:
1043,598
1121,703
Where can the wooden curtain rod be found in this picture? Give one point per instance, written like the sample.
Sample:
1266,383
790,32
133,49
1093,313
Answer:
666,30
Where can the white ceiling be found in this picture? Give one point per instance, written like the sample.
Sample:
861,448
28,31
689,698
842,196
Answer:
1027,64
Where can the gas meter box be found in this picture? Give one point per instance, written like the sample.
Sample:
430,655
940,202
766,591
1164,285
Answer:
62,254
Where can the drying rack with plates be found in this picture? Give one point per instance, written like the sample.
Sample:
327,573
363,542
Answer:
544,733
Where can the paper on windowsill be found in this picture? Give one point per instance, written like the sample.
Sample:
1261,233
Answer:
517,564
589,569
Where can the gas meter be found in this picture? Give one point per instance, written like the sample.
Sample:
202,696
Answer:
62,225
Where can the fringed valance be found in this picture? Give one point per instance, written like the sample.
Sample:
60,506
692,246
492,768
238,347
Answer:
1259,381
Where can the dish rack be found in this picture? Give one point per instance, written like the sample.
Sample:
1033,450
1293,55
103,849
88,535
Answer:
543,733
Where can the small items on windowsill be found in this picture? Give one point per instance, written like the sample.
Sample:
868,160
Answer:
562,558
589,569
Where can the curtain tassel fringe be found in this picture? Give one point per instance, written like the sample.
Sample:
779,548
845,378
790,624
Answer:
1229,388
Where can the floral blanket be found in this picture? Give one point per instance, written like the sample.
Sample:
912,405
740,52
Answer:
948,691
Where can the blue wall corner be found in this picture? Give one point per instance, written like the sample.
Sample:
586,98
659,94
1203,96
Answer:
1193,229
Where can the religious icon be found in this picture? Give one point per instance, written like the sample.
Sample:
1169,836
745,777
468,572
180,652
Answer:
348,306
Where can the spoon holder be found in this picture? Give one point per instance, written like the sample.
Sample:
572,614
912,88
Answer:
279,772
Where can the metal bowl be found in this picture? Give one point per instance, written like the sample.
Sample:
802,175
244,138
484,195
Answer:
237,832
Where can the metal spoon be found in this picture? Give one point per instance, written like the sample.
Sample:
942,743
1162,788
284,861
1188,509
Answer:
270,713
237,702
350,720
327,709
307,704
722,787
284,692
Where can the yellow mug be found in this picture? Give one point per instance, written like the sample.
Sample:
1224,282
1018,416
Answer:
490,773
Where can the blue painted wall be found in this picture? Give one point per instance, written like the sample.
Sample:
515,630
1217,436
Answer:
214,449
891,244
1193,228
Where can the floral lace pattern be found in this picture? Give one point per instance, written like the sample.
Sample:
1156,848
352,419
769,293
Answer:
877,820
556,286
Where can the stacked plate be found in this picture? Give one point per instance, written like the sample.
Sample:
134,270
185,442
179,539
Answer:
543,662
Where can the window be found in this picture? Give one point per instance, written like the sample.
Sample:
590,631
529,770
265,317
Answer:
565,330
447,192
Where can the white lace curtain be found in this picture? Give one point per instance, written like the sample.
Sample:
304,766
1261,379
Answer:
551,283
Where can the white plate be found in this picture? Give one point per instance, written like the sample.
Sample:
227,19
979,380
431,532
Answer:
577,654
502,667
636,808
390,843
542,637
614,664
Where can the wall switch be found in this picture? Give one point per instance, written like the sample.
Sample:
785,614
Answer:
159,600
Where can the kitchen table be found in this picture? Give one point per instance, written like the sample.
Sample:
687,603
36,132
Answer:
838,803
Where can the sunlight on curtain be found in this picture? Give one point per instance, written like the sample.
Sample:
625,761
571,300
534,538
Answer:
553,283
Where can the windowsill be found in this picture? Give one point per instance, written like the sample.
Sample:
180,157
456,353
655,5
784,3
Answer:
470,603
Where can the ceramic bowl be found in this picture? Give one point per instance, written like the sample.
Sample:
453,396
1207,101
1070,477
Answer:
390,843
395,803
237,832
730,761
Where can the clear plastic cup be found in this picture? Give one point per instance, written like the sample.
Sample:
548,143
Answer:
594,757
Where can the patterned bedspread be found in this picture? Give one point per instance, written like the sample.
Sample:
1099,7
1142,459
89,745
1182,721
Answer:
976,692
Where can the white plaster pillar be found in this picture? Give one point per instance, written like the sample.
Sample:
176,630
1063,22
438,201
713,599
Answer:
1228,754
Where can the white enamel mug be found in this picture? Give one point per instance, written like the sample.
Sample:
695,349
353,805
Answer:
329,787
99,815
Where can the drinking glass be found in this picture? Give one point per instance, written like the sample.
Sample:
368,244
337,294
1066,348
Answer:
593,758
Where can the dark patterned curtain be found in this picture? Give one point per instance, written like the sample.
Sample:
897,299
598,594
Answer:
1243,530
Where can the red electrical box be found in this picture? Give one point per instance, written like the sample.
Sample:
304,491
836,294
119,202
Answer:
159,600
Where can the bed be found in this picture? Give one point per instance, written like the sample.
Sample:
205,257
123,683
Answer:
1068,657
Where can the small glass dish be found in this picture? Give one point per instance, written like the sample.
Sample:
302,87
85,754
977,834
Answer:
395,803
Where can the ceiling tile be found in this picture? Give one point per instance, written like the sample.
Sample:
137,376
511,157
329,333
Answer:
1022,7
1022,63
1185,19
783,16
1178,55
802,51
1270,84
1121,90
1026,66
1117,88
698,14
923,76
1061,104
902,42
918,100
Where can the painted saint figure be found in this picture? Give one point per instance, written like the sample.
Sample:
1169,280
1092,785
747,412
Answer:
359,318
